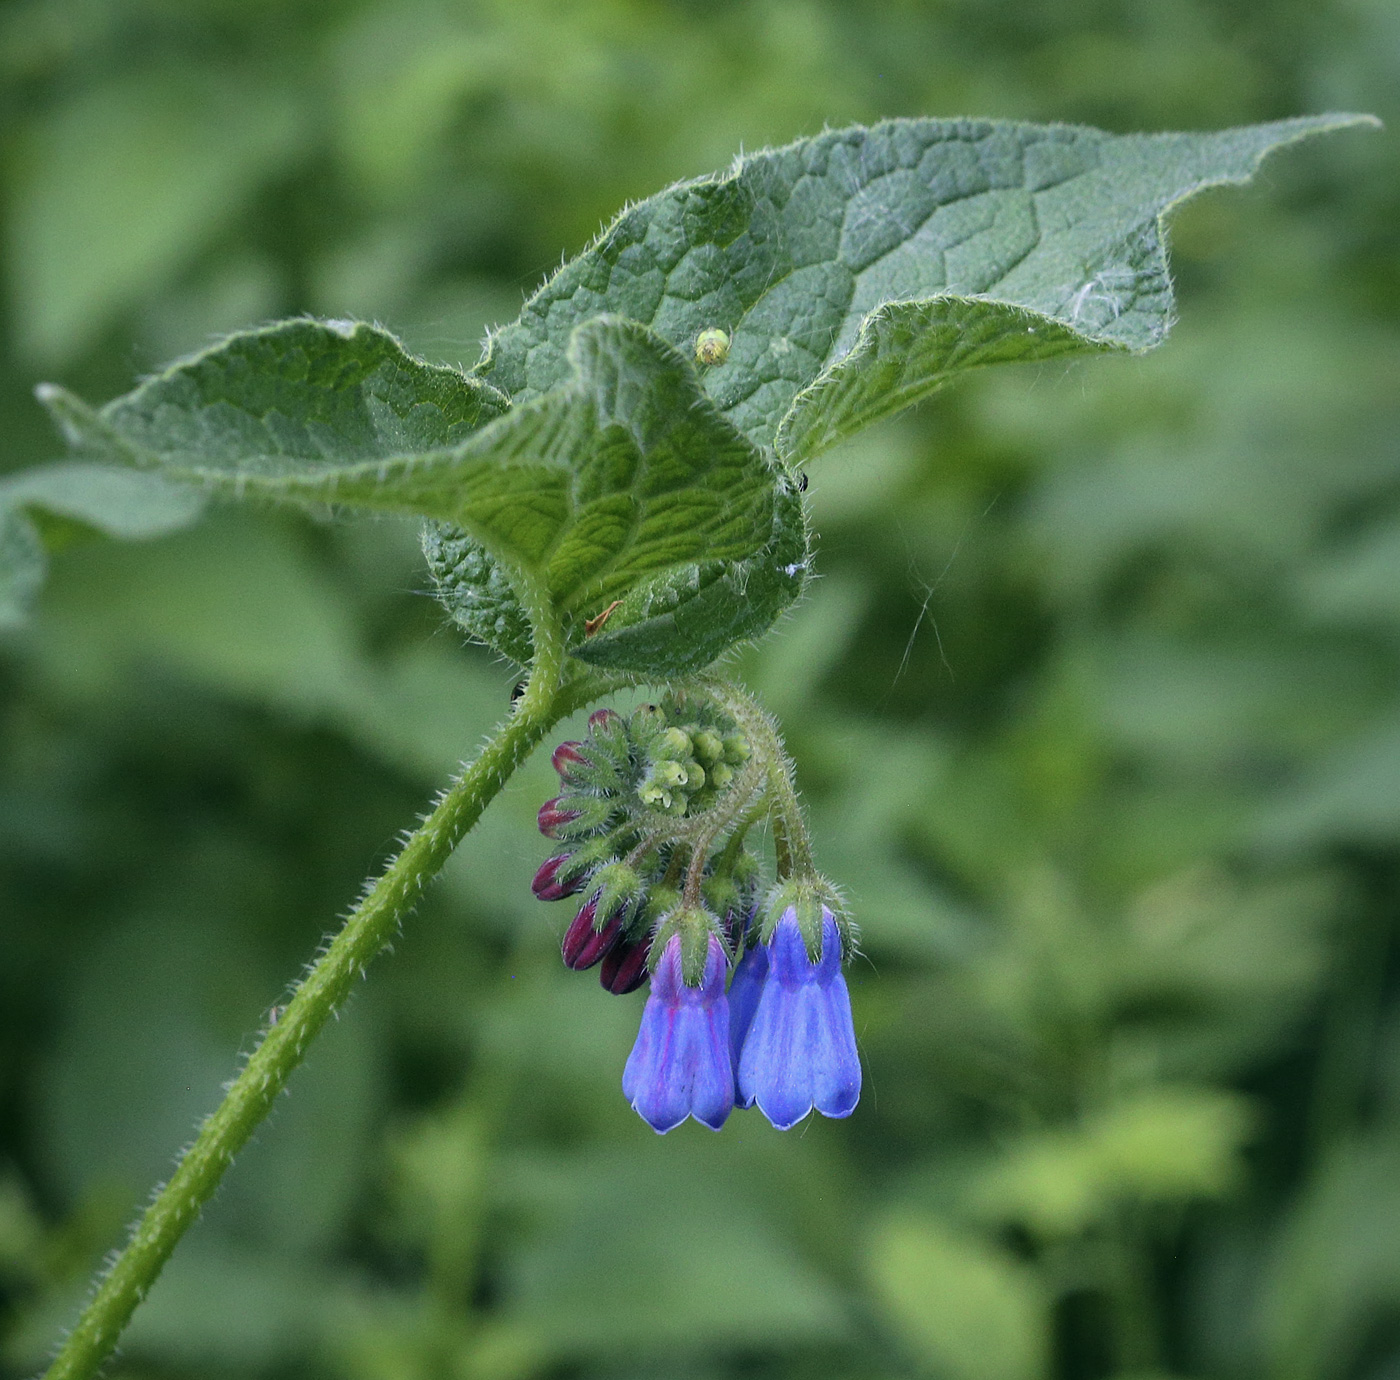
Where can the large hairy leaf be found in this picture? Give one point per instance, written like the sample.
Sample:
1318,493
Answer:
586,465
1008,241
623,471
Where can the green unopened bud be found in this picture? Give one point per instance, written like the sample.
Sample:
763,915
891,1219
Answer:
700,801
660,901
655,797
736,749
719,775
674,742
747,874
709,746
726,899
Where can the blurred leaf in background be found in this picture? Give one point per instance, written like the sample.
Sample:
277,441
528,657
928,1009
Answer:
1096,704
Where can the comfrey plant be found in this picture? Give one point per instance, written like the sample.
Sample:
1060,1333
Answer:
612,498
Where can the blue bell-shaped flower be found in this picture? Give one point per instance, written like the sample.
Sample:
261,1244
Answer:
680,1065
798,1051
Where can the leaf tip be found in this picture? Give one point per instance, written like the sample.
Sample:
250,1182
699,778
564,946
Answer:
74,418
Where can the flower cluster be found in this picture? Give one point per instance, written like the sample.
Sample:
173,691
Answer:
650,822
781,1037
623,789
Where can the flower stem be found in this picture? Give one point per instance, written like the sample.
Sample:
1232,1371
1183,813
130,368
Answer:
790,839
367,930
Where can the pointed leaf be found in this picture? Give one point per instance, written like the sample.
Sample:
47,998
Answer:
791,251
904,351
303,411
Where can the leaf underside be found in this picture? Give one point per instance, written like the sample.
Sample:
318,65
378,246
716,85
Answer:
43,509
588,472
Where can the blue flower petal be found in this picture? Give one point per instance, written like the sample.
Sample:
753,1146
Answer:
744,993
799,1051
836,1067
680,1065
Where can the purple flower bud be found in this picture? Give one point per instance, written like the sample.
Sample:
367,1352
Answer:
552,817
799,1049
547,885
680,1065
604,721
625,967
583,944
566,757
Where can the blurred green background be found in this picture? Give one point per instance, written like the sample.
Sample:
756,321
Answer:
1097,707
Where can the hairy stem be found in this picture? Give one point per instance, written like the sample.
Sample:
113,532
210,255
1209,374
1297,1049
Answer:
368,928
790,839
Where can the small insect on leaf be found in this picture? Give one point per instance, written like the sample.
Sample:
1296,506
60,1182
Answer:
591,625
712,346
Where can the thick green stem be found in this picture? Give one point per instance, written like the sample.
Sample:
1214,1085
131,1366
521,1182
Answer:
368,928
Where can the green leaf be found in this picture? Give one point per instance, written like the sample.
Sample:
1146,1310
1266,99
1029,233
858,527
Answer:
41,510
970,1310
674,623
1158,1145
664,1304
682,621
623,472
303,411
1347,796
123,185
905,351
1333,1269
1005,241
852,274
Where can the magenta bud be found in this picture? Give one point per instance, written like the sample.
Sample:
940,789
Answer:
583,945
547,885
551,817
625,967
566,757
603,720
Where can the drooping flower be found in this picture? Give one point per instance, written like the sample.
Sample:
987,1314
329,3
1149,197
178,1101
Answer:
798,1051
554,816
680,1065
744,992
